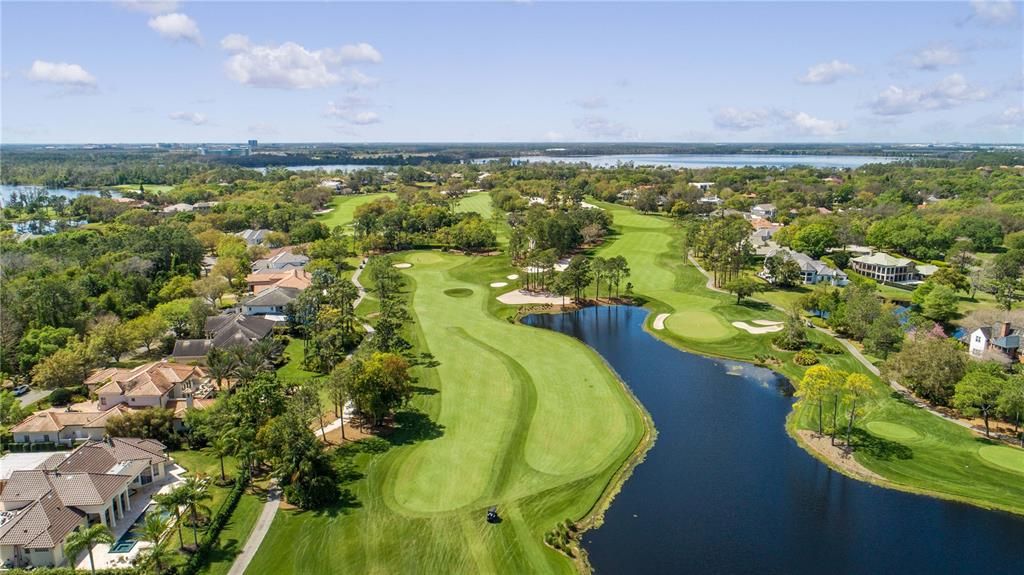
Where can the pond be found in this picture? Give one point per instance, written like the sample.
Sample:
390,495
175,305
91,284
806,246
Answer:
726,490
699,161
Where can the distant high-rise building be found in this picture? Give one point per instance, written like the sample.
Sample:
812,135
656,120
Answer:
253,143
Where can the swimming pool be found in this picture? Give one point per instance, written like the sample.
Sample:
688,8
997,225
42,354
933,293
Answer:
127,541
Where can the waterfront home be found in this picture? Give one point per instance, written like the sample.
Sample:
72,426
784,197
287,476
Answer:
280,259
222,332
100,482
271,303
1003,339
883,267
297,278
812,271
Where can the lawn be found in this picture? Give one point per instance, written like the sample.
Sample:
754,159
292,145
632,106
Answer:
155,188
291,372
525,419
905,444
479,202
344,208
243,519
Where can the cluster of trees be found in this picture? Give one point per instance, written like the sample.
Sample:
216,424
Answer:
387,285
420,219
842,392
723,245
857,312
324,316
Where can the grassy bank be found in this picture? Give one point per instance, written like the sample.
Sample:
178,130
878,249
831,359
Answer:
911,448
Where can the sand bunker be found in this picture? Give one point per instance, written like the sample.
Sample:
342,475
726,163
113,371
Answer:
403,266
519,297
513,276
766,322
757,330
659,322
499,284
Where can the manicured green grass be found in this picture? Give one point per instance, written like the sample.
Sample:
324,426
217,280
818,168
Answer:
291,372
1007,457
526,419
479,202
345,208
699,324
155,188
940,457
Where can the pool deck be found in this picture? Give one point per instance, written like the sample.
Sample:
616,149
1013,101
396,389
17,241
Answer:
140,501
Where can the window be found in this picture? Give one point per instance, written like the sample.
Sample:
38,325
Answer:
977,338
46,438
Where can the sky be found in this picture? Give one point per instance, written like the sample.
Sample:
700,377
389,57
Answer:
165,71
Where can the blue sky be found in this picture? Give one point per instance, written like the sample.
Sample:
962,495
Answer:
134,71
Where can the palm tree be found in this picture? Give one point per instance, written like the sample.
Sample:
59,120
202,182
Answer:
222,446
153,530
172,501
85,539
220,365
195,494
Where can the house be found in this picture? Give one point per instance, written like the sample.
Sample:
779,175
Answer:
766,211
253,237
271,302
291,278
883,267
177,208
64,427
812,271
1001,338
222,332
149,385
713,200
99,482
832,180
702,186
626,196
332,184
204,207
280,259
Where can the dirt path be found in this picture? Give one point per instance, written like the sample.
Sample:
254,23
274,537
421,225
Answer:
822,445
259,531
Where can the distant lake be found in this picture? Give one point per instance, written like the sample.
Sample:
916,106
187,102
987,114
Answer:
726,490
7,190
697,161
327,168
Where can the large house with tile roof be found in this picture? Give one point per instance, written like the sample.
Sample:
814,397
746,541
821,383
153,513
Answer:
297,278
148,385
96,483
222,332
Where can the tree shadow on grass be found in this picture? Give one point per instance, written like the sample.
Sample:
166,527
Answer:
419,389
878,448
901,398
413,427
756,305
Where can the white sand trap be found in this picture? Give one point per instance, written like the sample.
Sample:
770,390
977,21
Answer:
499,284
403,266
756,330
659,322
519,297
766,322
513,276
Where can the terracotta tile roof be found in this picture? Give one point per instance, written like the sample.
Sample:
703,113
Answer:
26,485
155,378
43,524
81,489
292,278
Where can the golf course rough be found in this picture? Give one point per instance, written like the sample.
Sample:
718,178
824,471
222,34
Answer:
526,419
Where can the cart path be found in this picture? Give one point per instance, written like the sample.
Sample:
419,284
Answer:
259,531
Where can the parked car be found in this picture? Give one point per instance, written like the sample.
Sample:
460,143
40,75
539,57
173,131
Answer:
21,390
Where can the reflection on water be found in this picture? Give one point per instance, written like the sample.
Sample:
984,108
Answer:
726,490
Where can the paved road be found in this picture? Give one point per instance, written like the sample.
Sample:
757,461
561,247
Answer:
362,293
252,544
33,396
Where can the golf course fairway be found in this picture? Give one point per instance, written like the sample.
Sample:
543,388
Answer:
526,419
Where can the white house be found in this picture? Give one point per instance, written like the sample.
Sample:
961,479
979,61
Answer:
766,211
702,186
1001,338
812,271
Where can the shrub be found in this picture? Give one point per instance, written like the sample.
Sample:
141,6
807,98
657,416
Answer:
60,396
832,348
805,358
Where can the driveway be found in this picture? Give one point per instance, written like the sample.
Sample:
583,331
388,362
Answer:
33,396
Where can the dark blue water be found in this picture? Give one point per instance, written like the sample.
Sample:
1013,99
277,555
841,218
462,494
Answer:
726,490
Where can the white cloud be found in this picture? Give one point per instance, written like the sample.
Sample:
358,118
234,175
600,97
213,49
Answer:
291,65
827,72
150,6
936,57
1012,117
592,103
352,110
61,73
176,26
800,123
741,120
554,136
952,91
806,124
194,118
599,127
994,11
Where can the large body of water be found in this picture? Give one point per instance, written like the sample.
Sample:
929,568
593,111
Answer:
6,190
726,490
330,168
697,161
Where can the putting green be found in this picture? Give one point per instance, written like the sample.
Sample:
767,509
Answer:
1006,457
424,258
458,292
892,431
698,324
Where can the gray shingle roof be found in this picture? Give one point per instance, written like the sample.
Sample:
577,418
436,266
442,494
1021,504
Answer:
275,296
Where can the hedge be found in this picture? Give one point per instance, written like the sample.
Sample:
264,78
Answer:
212,534
70,571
